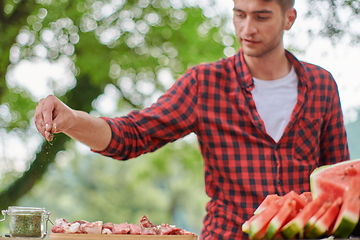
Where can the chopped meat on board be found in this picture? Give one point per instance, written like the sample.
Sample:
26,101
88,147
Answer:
144,227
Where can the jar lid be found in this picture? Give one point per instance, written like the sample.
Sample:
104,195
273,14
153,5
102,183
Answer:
25,210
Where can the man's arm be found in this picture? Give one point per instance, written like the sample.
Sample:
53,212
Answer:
53,116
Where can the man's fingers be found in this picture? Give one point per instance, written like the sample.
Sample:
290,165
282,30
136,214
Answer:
38,118
49,135
44,117
53,128
47,108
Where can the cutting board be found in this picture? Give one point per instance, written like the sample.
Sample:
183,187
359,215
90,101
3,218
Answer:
64,236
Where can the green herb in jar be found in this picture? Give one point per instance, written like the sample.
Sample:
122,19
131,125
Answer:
26,225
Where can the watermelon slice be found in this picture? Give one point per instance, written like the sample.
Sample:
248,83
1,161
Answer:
264,204
350,211
292,205
310,224
297,224
334,178
322,226
279,219
272,217
259,224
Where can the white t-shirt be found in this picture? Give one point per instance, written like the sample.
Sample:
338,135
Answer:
275,101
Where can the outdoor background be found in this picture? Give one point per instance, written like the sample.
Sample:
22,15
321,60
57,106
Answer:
113,56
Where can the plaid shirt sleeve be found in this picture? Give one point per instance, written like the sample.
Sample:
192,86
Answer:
173,116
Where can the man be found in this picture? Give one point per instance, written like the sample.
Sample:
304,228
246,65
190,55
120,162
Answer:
263,119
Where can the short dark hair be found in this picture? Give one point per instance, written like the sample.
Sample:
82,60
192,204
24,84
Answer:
284,4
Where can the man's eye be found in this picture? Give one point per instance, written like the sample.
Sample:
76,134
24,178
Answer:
262,18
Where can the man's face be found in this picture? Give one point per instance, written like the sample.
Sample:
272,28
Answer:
260,25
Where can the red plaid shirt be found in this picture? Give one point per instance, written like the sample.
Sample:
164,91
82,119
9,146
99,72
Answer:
243,163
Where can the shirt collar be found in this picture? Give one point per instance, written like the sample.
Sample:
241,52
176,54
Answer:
246,80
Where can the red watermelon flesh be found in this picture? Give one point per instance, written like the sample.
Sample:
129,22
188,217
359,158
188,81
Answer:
350,211
297,224
322,226
265,203
307,196
300,202
334,178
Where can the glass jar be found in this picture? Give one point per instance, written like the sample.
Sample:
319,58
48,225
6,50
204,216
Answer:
27,222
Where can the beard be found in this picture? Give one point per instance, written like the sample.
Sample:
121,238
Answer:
265,46
266,49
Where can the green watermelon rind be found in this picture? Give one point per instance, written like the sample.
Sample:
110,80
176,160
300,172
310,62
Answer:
317,231
272,230
290,230
345,227
246,227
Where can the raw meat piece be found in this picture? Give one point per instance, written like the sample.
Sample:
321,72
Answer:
60,226
74,227
148,231
106,231
166,229
135,229
144,221
91,227
121,228
107,228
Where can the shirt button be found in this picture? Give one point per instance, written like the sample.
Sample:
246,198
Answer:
279,182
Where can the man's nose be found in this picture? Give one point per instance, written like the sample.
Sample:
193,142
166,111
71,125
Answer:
249,27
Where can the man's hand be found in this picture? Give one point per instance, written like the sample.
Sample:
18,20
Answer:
53,116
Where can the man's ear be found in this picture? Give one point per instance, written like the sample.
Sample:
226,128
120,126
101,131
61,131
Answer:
290,18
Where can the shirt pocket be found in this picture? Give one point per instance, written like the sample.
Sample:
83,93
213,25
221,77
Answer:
307,139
